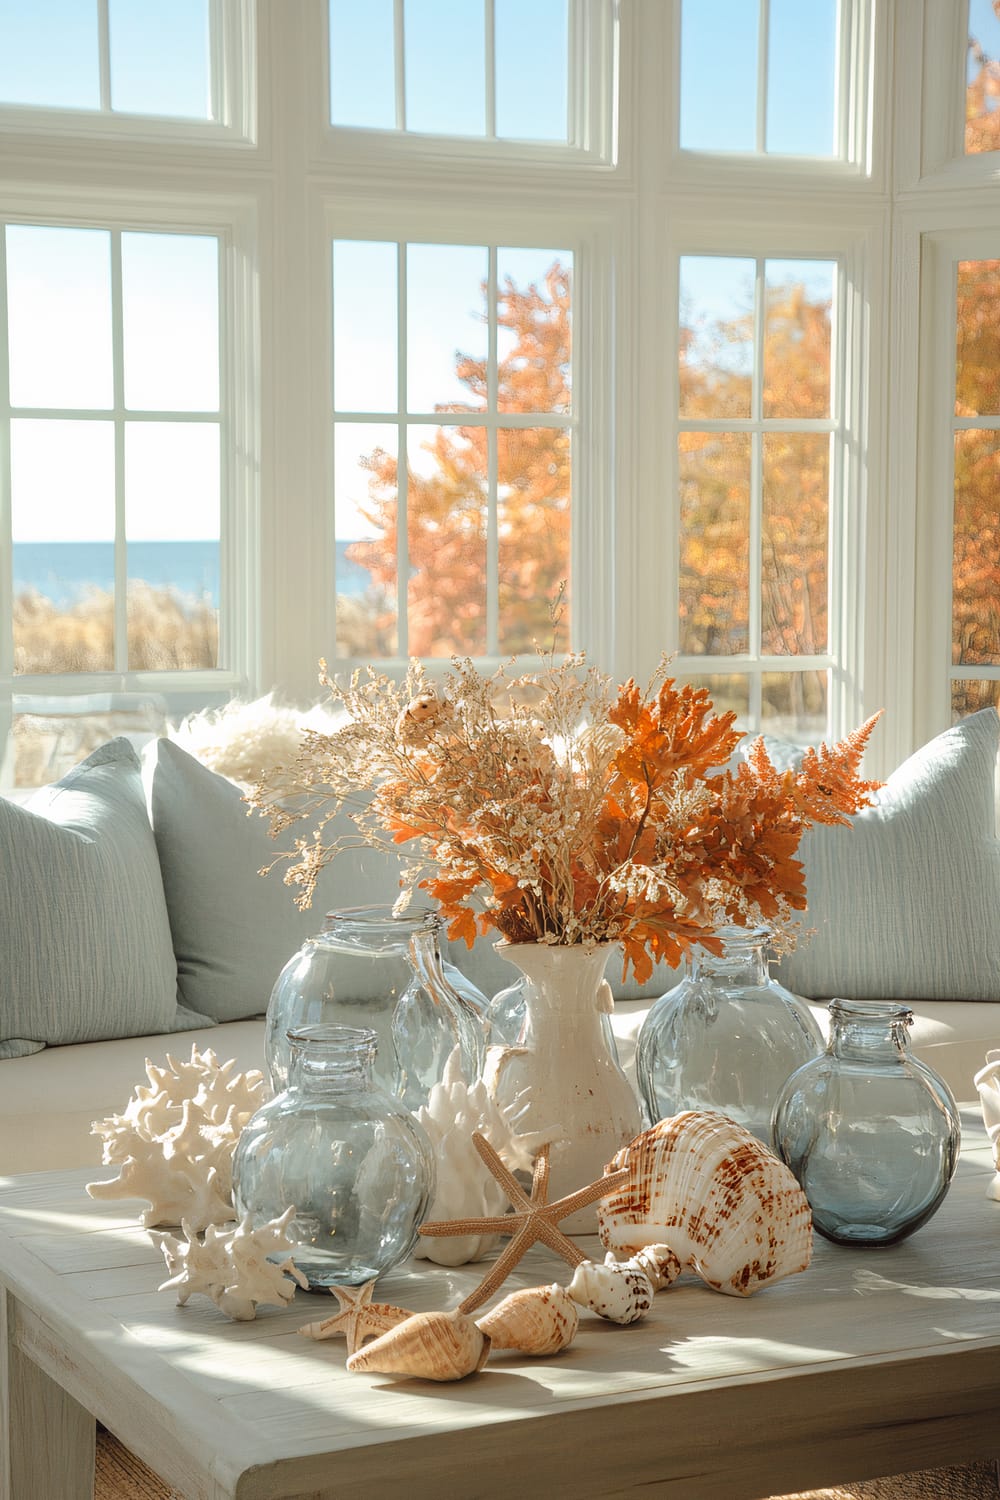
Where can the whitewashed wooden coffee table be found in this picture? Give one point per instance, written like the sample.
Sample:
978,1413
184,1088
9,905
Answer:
868,1363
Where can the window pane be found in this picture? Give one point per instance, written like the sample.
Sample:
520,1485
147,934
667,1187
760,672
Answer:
532,64
801,70
59,309
728,691
170,307
719,75
446,327
798,299
48,743
445,67
63,527
795,527
364,326
365,500
533,469
362,72
716,336
446,535
969,695
48,53
982,93
160,58
172,525
534,336
715,543
793,706
976,560
977,339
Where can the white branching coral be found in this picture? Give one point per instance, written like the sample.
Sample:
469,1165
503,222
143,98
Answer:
173,1143
232,1265
454,1110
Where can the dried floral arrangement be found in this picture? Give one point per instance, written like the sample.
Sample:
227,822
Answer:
554,807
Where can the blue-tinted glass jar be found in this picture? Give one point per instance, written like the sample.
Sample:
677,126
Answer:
726,1037
374,969
871,1133
355,1163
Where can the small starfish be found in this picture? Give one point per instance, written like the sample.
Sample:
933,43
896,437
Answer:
359,1317
533,1218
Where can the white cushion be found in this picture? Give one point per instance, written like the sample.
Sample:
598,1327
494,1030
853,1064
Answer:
906,902
85,950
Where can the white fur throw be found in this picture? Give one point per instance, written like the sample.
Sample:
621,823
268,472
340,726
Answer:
242,740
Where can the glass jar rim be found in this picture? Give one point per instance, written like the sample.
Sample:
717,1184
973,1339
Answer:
870,1010
330,1038
377,919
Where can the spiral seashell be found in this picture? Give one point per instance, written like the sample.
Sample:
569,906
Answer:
430,1346
658,1264
723,1203
616,1292
537,1320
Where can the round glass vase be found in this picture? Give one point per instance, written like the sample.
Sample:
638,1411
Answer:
726,1036
383,972
354,1162
871,1133
561,1081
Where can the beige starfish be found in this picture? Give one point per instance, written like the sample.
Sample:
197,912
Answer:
359,1317
533,1218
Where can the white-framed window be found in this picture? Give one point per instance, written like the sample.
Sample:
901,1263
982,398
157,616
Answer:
128,69
669,341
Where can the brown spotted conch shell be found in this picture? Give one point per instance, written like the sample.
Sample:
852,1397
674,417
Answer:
536,1320
619,1293
430,1345
719,1199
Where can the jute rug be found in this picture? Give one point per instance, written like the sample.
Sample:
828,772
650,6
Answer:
120,1476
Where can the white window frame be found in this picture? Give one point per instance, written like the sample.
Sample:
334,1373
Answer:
232,80
239,646
592,107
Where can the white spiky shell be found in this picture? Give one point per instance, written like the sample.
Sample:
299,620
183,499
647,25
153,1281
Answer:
537,1320
987,1082
430,1345
619,1293
723,1203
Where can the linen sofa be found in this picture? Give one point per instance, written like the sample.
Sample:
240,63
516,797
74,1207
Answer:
133,923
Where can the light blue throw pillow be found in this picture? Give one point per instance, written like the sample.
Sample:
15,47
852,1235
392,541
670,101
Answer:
233,929
85,950
906,903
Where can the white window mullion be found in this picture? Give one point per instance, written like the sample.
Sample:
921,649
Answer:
756,461
399,63
6,573
492,465
104,52
489,52
121,544
402,466
763,30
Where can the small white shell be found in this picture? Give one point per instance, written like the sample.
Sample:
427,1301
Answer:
537,1320
987,1082
656,1262
723,1203
619,1293
430,1345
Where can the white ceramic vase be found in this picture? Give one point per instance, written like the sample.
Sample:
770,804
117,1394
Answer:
562,1081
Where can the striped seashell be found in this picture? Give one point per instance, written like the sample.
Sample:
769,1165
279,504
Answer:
723,1203
430,1346
537,1320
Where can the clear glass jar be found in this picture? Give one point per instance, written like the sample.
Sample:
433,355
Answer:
372,969
726,1037
871,1133
355,1163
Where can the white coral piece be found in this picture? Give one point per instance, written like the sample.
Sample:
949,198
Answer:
987,1082
454,1110
231,1266
174,1140
614,1291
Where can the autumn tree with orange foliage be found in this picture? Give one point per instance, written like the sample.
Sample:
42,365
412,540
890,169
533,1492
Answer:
446,502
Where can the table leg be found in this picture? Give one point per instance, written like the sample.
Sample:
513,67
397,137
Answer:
46,1438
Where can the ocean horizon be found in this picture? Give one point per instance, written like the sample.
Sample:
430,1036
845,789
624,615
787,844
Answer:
65,571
